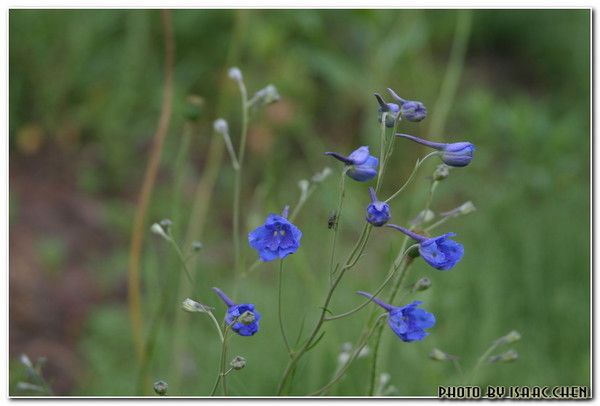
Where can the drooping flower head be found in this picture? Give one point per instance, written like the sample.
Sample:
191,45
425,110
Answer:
410,110
408,322
242,318
440,252
363,165
456,154
276,238
378,213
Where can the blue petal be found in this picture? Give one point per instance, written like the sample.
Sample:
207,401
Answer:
359,156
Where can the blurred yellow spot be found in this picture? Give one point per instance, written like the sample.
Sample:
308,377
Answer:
30,138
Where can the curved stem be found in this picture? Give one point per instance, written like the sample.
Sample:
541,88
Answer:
412,175
362,342
481,360
285,340
379,289
137,234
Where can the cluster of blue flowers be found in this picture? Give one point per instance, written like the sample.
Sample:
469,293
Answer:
278,237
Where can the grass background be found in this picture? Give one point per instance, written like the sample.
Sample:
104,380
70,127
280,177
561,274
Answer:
85,93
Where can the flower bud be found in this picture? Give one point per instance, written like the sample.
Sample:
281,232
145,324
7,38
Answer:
466,208
321,176
441,172
421,285
265,96
166,224
508,356
220,126
192,306
413,111
378,212
235,73
238,363
197,246
303,184
439,355
247,317
25,361
158,230
160,388
511,337
424,216
364,352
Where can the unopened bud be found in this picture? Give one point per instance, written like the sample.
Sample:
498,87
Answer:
166,224
422,284
197,245
192,306
247,317
265,96
467,208
439,355
508,356
235,73
321,176
343,357
384,378
158,230
364,352
441,172
25,361
238,363
511,337
220,126
303,185
160,387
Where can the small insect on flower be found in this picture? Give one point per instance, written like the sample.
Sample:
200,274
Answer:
362,165
457,154
235,312
440,252
276,238
408,322
378,213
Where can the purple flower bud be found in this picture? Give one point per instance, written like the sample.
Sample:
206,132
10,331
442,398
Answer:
456,154
363,165
378,213
407,322
410,110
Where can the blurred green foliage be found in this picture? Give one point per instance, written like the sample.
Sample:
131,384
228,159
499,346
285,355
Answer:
90,81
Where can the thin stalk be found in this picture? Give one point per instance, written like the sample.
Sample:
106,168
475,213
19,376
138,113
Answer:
338,215
139,220
285,340
221,375
481,360
379,289
238,180
361,344
412,175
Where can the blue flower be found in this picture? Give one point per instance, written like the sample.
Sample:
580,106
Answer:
456,154
441,252
277,238
408,322
378,213
242,318
410,110
362,165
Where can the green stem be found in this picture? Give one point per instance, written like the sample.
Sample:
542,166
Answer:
360,345
285,340
412,175
338,215
379,289
480,361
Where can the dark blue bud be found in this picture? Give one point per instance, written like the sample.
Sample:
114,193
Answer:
457,154
410,110
378,213
362,165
